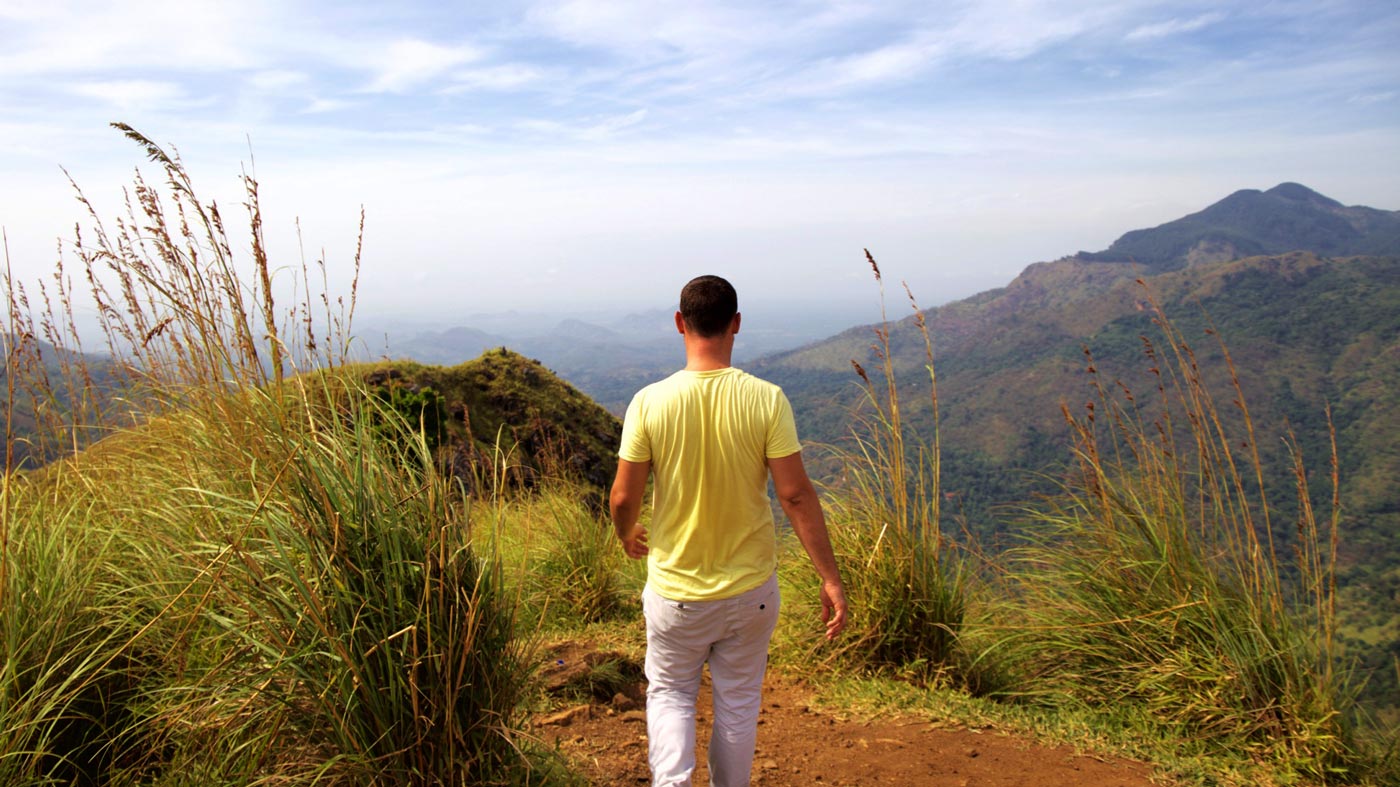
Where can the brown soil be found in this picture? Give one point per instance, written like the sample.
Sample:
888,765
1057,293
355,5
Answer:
799,744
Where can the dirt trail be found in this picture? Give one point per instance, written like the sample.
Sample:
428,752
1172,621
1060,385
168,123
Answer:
801,745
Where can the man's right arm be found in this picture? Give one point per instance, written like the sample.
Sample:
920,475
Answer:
804,510
625,504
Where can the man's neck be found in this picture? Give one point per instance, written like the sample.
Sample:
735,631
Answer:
708,355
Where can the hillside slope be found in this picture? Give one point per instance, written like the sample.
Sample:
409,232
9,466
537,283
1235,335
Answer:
504,410
1305,331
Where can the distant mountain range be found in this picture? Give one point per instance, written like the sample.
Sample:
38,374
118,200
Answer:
608,359
1304,292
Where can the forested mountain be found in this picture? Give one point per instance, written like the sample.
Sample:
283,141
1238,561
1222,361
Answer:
505,412
1306,330
1287,217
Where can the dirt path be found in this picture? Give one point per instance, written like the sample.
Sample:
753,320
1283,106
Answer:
801,745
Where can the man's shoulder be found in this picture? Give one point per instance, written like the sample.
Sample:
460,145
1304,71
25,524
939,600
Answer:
757,382
666,383
658,391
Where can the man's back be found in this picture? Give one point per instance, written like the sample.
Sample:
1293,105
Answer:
708,435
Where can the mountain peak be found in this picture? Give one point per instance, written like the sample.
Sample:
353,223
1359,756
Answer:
1287,217
1297,192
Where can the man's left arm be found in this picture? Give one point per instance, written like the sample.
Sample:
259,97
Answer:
799,500
625,504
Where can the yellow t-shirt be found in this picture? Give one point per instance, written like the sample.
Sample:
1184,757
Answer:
708,436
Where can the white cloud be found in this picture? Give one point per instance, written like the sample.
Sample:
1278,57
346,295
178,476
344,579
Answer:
25,10
499,78
1021,28
1173,27
815,125
131,94
278,80
409,62
954,36
1366,99
587,130
188,35
890,63
663,25
613,125
323,105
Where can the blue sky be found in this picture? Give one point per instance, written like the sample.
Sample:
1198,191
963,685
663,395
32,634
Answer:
596,154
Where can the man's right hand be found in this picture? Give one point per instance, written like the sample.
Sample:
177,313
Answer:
625,504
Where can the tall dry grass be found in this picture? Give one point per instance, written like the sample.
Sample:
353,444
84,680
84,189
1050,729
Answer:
908,586
259,576
1154,581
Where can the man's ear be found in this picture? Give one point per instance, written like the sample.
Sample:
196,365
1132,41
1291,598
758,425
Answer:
680,323
734,324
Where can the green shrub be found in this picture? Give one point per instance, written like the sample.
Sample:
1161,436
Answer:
908,587
574,565
247,583
1152,579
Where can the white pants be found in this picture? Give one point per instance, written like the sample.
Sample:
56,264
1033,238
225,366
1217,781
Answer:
731,634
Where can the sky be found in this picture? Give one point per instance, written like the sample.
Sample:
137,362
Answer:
577,155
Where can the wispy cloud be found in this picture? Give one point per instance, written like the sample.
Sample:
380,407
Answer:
278,80
506,77
131,95
896,62
589,129
1368,99
734,116
409,63
1173,27
319,106
74,37
664,27
959,37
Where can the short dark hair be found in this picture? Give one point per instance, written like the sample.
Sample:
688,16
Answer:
708,305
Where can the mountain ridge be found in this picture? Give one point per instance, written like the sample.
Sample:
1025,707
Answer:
1249,222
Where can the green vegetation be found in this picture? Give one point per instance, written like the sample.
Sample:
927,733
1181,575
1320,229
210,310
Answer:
265,578
351,575
1149,584
1308,334
910,586
1195,619
506,412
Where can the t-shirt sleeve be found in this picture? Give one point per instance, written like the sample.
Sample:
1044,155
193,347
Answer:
782,430
635,446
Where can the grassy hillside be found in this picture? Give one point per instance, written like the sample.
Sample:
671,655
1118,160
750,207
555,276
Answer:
506,410
1304,332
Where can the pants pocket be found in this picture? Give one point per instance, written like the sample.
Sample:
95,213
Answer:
662,614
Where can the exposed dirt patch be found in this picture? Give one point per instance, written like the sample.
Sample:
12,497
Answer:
802,745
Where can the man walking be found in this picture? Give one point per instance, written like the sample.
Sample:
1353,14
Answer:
711,435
